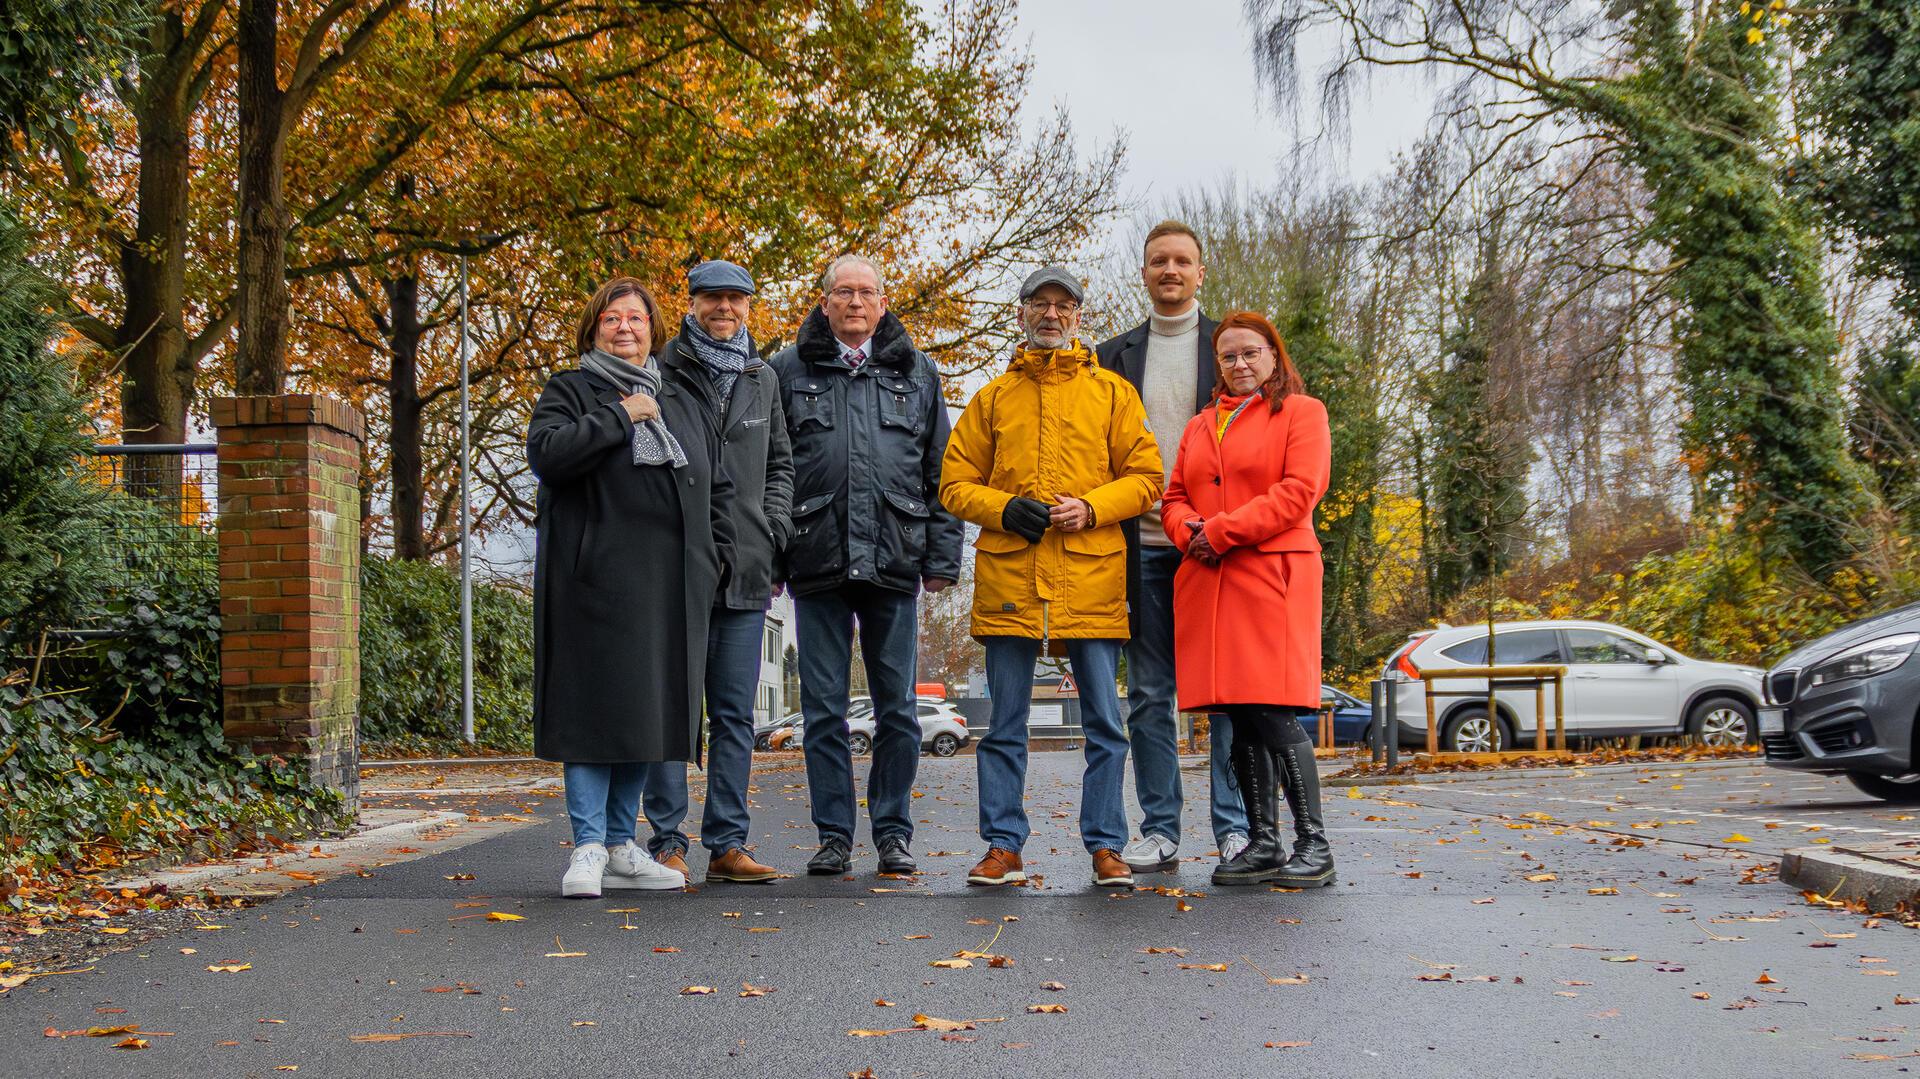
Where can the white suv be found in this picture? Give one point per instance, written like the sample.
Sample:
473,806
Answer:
1618,683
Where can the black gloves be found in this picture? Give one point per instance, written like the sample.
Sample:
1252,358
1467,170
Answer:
1026,517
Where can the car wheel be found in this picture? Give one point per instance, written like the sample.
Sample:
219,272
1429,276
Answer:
860,744
945,745
1904,789
1471,731
763,743
1723,721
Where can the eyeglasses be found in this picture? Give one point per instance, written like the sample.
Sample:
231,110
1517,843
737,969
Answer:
1246,359
848,295
614,322
1064,308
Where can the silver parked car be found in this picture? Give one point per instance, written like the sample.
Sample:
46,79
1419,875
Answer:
1618,683
943,730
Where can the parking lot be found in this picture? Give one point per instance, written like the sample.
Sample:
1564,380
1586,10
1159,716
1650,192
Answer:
1741,806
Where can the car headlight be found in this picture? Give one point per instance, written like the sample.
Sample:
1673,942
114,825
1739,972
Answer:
1866,660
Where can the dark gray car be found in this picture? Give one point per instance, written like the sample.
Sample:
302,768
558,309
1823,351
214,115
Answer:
1847,704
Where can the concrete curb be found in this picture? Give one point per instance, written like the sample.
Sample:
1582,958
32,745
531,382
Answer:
515,786
1884,876
1526,773
384,825
1199,765
446,762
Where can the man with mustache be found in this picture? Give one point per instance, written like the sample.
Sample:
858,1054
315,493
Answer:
1169,359
1049,459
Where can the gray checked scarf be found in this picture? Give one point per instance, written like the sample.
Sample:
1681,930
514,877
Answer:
724,360
653,444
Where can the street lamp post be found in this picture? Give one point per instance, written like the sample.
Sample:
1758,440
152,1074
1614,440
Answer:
466,530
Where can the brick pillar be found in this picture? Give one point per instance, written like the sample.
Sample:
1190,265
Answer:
290,580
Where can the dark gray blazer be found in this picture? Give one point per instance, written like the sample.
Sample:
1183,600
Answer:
1125,354
758,463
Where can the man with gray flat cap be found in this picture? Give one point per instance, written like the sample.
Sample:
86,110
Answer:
715,352
1048,459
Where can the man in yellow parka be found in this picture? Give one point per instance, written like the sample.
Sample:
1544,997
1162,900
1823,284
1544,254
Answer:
1048,459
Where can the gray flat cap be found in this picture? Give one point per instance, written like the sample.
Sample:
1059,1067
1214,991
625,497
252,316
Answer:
1053,275
719,275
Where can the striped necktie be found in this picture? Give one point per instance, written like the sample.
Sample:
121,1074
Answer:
855,358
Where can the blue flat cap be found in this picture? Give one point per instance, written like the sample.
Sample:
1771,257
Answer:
719,275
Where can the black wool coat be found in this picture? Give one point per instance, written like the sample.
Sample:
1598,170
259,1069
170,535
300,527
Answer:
628,560
1125,354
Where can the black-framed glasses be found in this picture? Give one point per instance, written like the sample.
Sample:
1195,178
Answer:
848,295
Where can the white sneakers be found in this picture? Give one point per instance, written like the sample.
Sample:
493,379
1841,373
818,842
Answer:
1149,853
1231,847
628,866
584,872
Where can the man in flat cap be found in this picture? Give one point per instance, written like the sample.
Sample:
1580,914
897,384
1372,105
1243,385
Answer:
743,404
1048,459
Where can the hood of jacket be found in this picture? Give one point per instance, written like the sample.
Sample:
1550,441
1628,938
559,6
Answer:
1052,364
891,345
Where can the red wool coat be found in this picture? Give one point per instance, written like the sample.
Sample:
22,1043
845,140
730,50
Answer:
1247,631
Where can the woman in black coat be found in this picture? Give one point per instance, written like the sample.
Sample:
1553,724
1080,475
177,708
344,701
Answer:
632,536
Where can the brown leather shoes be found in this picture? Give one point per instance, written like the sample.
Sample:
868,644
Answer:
998,867
1110,871
738,866
675,859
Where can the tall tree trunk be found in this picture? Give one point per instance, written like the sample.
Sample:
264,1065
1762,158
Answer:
404,453
261,363
156,386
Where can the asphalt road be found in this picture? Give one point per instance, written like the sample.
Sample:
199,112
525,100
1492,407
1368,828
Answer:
1434,953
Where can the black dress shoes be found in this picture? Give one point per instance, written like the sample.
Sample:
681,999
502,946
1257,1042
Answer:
835,857
894,857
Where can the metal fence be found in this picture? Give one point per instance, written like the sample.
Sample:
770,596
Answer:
170,512
179,480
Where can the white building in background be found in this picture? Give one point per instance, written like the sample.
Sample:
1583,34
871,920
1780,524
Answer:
773,648
769,698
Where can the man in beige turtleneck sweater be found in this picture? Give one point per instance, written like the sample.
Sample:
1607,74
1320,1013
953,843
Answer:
1169,359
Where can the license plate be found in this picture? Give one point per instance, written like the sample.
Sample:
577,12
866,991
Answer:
1773,721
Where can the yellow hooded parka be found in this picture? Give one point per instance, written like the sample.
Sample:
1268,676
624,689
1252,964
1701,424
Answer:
1055,424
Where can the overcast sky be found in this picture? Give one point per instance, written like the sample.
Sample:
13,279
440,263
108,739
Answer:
1178,79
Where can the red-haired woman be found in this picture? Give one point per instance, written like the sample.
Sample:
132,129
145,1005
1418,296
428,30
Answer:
1246,599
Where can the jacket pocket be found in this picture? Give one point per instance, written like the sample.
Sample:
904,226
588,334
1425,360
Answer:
899,403
816,546
991,541
812,406
1096,565
1293,539
906,533
1104,540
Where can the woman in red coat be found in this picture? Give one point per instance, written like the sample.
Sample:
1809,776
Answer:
1246,599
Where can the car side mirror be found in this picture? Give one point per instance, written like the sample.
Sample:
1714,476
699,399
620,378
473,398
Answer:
1657,657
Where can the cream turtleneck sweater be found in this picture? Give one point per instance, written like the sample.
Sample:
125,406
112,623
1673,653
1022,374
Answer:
1166,388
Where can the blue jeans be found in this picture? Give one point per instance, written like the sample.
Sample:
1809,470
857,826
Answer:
824,625
733,677
603,801
1002,754
1150,725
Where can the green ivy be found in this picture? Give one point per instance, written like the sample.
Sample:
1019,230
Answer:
410,660
1765,434
113,743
